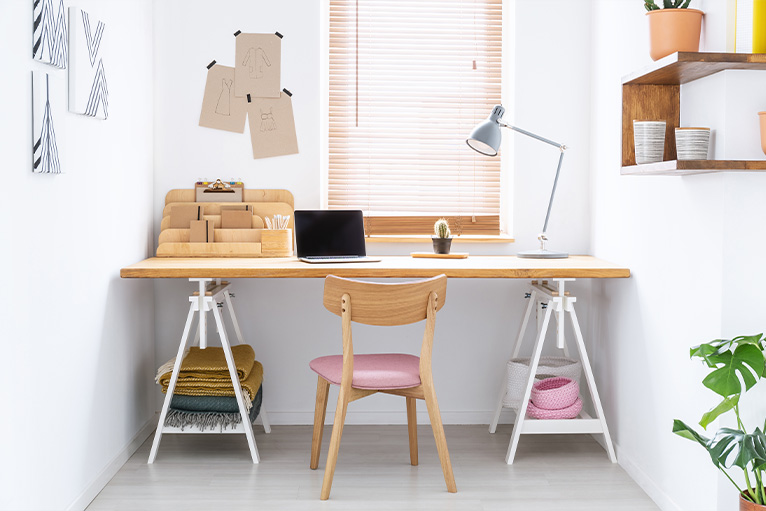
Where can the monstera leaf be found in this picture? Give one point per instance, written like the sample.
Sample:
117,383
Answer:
709,351
733,447
724,406
746,362
729,447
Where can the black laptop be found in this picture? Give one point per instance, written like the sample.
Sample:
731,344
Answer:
330,236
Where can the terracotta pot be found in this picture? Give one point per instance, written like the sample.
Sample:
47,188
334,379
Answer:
746,505
672,30
763,130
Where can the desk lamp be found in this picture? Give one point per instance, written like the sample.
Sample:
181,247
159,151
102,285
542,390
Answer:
485,139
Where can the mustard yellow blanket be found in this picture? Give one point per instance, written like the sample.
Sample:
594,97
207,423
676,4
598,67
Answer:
205,373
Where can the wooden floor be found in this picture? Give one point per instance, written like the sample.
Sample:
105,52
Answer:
214,472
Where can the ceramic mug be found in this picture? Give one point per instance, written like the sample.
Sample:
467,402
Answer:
649,139
692,143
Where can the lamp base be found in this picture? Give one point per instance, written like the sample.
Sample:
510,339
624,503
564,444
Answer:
542,254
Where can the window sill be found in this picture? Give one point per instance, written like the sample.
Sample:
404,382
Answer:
466,238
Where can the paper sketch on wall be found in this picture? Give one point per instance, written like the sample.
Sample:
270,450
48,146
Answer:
221,109
255,60
258,65
267,121
88,90
49,33
272,126
45,159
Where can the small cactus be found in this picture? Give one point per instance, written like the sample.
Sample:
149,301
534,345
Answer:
441,228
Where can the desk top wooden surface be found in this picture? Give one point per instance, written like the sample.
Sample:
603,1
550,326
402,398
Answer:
476,267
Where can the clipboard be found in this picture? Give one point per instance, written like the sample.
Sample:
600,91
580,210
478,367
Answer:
218,191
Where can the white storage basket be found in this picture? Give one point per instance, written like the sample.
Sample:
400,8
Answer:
517,373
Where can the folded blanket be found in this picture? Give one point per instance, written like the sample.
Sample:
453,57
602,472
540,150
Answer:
204,403
217,387
211,419
209,364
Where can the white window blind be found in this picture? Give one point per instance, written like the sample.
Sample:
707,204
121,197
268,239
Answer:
408,81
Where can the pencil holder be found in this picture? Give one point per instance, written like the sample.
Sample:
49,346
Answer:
277,242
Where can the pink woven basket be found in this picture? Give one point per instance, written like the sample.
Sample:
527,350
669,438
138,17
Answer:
555,393
566,413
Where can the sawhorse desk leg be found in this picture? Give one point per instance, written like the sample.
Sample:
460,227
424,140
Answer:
558,302
210,297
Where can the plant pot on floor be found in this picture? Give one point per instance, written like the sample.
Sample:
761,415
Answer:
672,30
442,245
746,505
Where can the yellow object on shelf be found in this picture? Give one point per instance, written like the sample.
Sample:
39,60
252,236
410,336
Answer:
759,26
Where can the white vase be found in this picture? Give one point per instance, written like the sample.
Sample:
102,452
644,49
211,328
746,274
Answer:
649,139
692,143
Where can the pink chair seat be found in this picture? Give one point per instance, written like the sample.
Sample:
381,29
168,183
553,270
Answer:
379,371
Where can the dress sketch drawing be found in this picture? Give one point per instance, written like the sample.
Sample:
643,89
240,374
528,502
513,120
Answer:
223,107
255,60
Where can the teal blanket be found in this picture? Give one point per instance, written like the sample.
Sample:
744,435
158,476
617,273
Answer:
209,412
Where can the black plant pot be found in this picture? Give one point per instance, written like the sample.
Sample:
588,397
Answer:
442,245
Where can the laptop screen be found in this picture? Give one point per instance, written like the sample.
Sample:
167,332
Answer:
329,233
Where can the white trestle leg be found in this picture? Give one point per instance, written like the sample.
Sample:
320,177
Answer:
210,297
554,302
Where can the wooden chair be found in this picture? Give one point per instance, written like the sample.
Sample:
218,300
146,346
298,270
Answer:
403,375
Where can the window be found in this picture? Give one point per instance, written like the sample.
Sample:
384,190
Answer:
408,81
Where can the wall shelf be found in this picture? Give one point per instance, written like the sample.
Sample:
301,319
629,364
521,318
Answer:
691,167
654,93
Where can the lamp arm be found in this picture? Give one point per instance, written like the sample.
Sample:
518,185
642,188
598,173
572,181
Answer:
562,148
504,124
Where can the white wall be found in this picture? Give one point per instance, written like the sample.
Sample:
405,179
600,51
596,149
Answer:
692,244
285,319
78,342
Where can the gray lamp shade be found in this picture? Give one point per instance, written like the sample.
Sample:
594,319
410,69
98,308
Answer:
485,138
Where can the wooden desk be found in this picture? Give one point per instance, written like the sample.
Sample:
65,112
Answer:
475,267
551,300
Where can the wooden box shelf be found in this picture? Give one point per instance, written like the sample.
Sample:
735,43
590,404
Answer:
654,93
230,242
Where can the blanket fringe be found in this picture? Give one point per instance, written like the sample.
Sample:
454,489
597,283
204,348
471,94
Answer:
202,420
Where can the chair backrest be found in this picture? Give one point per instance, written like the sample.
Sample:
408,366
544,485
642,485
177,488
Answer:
374,303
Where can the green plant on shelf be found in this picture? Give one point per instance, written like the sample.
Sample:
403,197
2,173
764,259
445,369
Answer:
650,5
441,228
733,363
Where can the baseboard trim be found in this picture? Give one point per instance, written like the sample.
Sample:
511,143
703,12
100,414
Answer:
662,499
108,472
387,417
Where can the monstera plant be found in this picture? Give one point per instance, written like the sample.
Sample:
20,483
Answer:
736,365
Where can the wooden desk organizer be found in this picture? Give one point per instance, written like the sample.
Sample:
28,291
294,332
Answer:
254,242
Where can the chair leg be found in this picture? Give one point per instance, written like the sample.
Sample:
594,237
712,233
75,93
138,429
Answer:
412,427
332,454
320,409
441,440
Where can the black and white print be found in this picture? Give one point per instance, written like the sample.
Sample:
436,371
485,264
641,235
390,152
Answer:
45,151
49,33
88,90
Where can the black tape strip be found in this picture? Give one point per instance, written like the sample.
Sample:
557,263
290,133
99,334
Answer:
207,231
248,99
278,35
287,92
211,64
199,212
237,33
